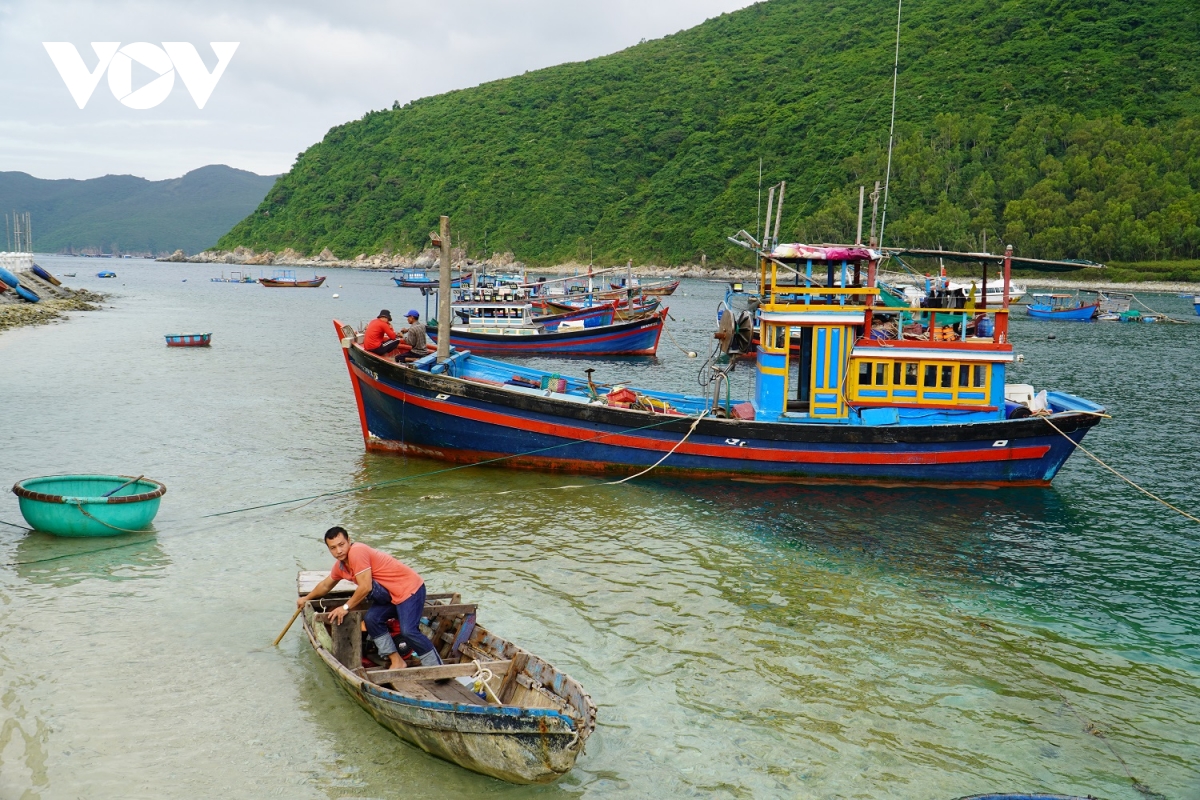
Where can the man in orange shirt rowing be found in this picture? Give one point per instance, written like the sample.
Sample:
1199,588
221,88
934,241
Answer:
393,589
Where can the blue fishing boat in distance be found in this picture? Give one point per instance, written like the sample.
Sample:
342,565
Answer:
500,320
867,394
1063,307
106,274
414,278
1196,303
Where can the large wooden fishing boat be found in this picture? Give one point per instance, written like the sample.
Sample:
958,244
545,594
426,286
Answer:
863,397
529,725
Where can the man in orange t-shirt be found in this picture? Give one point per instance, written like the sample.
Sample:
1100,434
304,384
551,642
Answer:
379,338
393,589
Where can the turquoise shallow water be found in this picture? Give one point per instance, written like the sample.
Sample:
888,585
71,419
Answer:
740,640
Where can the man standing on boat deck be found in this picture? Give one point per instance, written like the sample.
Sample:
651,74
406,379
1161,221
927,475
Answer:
414,334
379,337
393,588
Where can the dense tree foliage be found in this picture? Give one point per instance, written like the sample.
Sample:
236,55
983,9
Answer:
1067,127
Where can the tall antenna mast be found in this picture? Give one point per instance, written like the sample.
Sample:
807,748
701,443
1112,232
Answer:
891,133
758,219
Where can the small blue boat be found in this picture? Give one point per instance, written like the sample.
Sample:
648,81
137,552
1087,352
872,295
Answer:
106,274
1196,303
1061,307
46,276
26,294
9,278
188,339
89,505
427,279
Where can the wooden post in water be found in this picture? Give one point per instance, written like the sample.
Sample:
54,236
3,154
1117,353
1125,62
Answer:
445,313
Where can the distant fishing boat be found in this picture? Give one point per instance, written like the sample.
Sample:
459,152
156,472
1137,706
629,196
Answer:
427,279
1118,307
234,277
1196,303
661,289
106,274
502,322
189,339
492,707
1062,307
286,279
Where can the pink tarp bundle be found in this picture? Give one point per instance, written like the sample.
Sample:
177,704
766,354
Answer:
846,253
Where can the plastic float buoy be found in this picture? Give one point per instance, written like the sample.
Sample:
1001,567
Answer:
335,297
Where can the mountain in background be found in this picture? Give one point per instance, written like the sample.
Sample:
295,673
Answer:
121,213
1069,128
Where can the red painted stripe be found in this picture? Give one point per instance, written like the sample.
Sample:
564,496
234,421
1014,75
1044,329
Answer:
566,431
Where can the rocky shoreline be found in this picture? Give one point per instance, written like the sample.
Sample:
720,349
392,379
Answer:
18,315
429,259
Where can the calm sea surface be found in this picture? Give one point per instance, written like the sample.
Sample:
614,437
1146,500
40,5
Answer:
739,640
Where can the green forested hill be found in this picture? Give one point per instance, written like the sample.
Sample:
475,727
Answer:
123,213
1067,127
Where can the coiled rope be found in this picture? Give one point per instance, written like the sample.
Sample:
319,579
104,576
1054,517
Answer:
1098,460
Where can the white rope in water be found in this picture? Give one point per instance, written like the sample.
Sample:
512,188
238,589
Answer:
1097,459
628,478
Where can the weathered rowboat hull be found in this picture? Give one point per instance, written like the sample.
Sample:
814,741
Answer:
515,744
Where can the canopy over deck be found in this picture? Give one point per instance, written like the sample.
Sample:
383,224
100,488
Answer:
1046,265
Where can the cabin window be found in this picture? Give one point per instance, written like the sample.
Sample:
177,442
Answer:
881,373
947,376
780,337
931,375
896,371
910,374
864,373
980,376
964,375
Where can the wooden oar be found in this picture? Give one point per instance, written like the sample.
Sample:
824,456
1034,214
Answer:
287,627
122,486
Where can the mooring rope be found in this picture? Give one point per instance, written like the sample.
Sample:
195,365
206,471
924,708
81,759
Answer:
1088,726
1159,314
629,477
14,525
406,478
1098,460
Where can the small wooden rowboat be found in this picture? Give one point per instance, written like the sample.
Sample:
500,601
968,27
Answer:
188,339
530,726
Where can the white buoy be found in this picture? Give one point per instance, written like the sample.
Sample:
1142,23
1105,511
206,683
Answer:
335,297
691,354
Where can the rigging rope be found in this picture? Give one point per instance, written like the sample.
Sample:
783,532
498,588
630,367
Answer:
1097,459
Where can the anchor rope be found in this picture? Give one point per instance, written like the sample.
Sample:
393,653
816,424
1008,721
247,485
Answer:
1159,314
406,478
1088,726
628,477
1098,460
14,525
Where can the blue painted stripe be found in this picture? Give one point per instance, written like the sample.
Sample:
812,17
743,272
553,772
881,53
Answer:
819,359
825,398
939,395
904,392
872,393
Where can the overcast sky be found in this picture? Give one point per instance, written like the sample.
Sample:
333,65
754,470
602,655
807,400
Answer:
300,68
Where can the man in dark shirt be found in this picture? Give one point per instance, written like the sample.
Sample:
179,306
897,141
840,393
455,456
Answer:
379,337
414,334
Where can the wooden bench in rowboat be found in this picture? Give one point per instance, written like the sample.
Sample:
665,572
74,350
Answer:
529,728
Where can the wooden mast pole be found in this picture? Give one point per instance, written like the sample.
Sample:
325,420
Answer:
445,313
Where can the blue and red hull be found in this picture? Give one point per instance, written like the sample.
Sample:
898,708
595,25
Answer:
637,338
590,317
406,409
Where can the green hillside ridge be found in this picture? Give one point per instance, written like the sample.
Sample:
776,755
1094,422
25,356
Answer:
134,215
1069,128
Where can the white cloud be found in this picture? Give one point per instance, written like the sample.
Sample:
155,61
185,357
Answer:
301,68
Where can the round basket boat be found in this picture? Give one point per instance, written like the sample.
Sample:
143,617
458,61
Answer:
75,505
